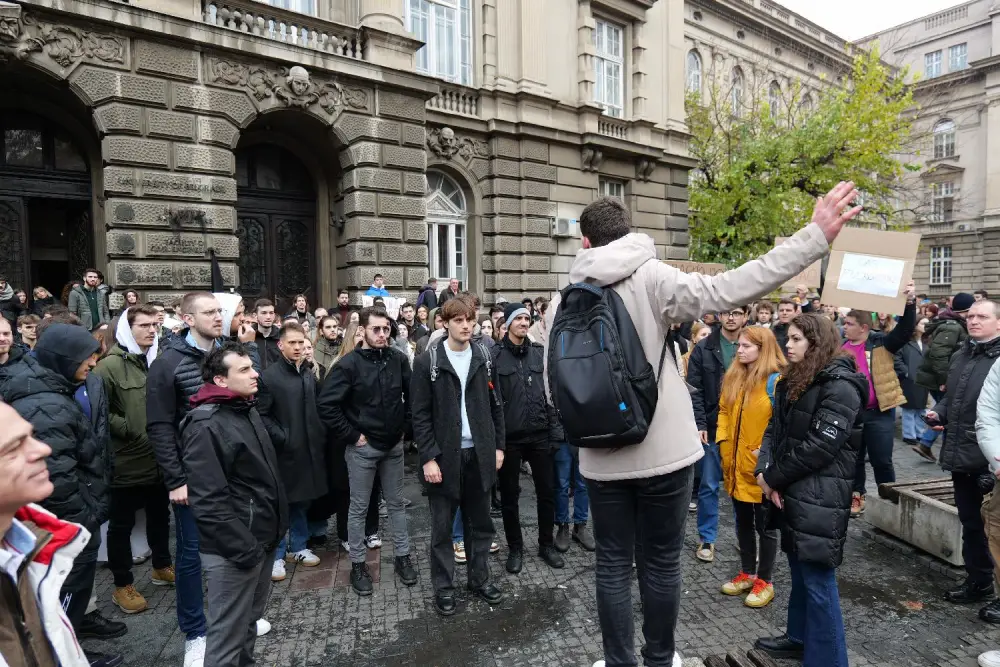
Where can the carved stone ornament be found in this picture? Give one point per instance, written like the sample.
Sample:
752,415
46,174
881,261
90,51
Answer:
444,143
644,169
22,34
289,87
592,158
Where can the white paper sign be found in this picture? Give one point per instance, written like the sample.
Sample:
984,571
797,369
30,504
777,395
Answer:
867,274
392,304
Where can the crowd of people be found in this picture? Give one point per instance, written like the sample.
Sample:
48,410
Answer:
267,437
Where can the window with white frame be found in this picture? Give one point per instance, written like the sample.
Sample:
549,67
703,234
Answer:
609,65
941,265
609,187
942,201
932,64
694,72
774,98
736,92
446,28
958,57
302,6
944,139
447,217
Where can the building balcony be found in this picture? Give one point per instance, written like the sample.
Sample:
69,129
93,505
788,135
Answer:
616,128
457,100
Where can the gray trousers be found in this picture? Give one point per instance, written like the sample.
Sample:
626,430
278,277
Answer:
363,463
236,599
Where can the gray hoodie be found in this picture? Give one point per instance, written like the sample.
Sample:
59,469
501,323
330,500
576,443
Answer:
657,295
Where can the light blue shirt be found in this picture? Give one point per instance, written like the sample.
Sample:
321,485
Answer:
189,339
377,291
461,362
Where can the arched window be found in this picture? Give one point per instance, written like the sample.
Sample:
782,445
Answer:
736,93
774,98
694,72
807,103
944,139
447,216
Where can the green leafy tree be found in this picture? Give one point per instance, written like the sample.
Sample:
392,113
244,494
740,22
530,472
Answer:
764,158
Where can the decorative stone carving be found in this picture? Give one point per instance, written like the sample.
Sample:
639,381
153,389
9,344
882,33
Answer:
644,169
22,34
592,158
447,145
289,87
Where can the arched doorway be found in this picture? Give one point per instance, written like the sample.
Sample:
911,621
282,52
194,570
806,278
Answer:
276,226
447,228
46,234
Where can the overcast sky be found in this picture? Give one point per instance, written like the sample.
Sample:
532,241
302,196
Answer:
853,19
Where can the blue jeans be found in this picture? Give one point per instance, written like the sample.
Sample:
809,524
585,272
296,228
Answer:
187,564
877,439
708,494
567,467
298,528
457,529
913,425
814,617
318,527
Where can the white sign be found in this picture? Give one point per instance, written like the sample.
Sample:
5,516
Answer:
868,274
391,303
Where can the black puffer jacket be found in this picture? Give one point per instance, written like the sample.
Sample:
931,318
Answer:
234,488
367,392
809,453
518,373
287,403
42,390
705,370
957,408
173,379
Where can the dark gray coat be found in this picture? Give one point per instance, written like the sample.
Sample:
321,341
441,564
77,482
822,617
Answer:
437,419
916,396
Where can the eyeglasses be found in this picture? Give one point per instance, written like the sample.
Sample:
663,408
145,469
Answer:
733,314
378,330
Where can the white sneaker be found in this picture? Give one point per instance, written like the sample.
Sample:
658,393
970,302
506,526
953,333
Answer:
139,559
989,659
677,660
278,571
194,652
347,546
263,627
599,663
373,541
305,557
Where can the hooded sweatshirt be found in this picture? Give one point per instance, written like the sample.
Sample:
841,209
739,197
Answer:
657,295
229,303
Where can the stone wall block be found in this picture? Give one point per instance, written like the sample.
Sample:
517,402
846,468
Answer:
506,147
679,176
170,125
680,238
535,189
401,207
539,172
235,106
536,263
368,178
200,275
503,225
142,274
133,150
509,168
416,276
540,245
373,228
170,61
355,127
501,244
504,281
416,231
404,158
679,207
678,192
397,105
149,213
189,157
359,202
677,222
534,150
540,281
97,84
414,135
479,168
361,153
414,184
502,205
541,208
651,205
360,252
505,187
675,252
118,118
538,226
122,243
217,131
392,253
504,263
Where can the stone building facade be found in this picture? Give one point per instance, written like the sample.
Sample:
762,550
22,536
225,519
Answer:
309,150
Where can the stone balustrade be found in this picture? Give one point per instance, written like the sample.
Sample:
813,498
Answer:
612,127
456,100
282,25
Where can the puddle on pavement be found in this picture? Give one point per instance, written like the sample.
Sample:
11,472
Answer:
898,598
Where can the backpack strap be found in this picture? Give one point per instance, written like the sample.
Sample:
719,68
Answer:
772,382
432,350
663,355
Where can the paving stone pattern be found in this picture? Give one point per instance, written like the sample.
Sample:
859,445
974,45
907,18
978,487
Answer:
890,596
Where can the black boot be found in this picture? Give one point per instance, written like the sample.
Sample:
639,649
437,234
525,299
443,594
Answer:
780,647
95,626
970,591
552,557
361,580
515,561
991,613
444,604
405,570
490,593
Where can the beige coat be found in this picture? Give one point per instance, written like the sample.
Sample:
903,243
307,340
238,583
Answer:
657,295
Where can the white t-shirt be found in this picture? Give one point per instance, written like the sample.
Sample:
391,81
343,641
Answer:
461,362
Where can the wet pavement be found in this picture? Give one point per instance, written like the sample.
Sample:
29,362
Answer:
890,595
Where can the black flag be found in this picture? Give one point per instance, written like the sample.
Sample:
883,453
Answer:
217,285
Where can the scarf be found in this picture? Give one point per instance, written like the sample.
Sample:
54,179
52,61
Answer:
125,338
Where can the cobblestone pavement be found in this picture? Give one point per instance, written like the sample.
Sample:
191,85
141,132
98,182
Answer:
890,597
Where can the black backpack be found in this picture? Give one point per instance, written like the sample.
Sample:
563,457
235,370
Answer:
603,389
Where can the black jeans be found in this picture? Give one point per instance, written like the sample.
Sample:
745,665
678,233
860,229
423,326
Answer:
475,505
876,440
654,508
540,459
125,502
975,550
750,526
79,583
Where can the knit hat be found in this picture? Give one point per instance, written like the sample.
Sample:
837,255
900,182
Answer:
962,302
512,310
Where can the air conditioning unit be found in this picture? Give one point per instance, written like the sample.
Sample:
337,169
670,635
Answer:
565,227
964,227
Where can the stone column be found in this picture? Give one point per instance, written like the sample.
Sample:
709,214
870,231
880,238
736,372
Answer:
534,63
586,77
638,71
385,15
489,42
387,42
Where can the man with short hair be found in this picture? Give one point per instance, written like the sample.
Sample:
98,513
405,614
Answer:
709,361
9,353
406,315
378,287
366,403
267,332
36,552
877,356
651,480
237,499
459,430
173,379
428,295
328,342
344,309
960,454
450,292
27,327
135,482
496,315
980,295
87,302
787,310
287,403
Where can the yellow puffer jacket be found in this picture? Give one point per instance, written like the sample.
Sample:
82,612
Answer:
740,432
